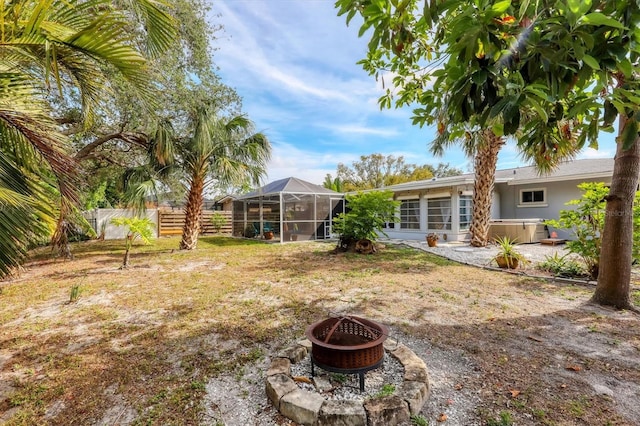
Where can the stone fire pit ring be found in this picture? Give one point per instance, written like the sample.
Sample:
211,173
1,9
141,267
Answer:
311,408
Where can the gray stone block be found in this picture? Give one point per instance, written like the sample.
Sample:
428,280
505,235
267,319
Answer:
279,366
415,394
342,413
390,344
278,386
301,406
322,384
305,343
295,353
387,411
414,367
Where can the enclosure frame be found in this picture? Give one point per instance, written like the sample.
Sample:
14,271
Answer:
291,209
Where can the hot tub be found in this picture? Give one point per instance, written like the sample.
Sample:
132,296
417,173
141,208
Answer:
521,230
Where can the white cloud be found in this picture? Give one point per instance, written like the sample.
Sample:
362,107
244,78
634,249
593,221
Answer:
597,153
364,130
288,160
294,64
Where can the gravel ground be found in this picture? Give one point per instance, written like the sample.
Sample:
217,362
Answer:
483,256
232,401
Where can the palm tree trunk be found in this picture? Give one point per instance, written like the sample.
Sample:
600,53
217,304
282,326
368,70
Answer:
485,161
60,238
614,277
193,213
127,252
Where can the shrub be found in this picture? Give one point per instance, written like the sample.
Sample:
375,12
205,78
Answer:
587,223
562,266
367,216
218,220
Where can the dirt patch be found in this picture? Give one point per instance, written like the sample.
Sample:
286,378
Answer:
186,338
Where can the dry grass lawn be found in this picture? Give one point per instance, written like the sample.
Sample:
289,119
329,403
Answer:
139,346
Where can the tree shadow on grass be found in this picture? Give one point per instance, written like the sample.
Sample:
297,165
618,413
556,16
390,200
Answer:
555,367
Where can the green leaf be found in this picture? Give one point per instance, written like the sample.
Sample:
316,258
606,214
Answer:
501,6
591,61
630,95
610,112
536,91
579,7
523,7
597,18
629,134
539,109
479,77
426,13
498,129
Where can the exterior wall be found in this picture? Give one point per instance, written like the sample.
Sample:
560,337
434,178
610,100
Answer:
557,195
495,204
227,205
102,218
453,234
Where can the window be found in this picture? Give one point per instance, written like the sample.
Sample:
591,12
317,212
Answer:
410,214
530,197
439,213
466,210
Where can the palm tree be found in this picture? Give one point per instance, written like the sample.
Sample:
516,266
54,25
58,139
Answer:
227,151
53,49
334,184
483,146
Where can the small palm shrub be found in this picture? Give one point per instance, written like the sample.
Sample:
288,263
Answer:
508,256
137,228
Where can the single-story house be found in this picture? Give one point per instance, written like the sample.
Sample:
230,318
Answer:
522,200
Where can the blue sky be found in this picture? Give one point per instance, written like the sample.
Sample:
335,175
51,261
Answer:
294,64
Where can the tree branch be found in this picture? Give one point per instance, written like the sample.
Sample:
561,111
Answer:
139,139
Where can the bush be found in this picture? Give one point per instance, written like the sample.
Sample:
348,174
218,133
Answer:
587,223
368,213
562,266
218,220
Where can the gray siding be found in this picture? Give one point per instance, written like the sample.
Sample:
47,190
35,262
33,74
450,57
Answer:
557,195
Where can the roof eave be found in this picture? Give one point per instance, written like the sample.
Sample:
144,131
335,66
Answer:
547,179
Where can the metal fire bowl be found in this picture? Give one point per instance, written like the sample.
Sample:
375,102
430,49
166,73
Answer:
347,343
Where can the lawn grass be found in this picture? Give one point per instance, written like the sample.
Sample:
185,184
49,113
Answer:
139,345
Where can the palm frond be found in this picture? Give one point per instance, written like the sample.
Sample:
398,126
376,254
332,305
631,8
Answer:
41,135
160,26
22,216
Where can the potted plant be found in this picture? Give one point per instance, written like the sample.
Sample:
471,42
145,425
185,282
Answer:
432,239
508,256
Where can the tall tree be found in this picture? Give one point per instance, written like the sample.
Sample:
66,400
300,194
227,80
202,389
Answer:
118,144
568,67
49,48
444,58
224,149
377,171
590,54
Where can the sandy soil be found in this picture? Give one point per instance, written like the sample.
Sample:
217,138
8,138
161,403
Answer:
185,338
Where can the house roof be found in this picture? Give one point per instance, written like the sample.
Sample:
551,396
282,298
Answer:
290,185
592,168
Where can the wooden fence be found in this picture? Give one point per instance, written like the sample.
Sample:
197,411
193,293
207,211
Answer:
170,222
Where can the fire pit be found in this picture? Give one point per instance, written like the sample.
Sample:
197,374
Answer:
348,344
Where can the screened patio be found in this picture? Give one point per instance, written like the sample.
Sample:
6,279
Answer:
287,210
